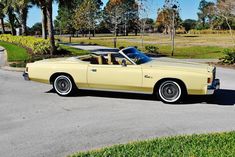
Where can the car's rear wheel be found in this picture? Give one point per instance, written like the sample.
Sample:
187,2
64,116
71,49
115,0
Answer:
64,85
170,91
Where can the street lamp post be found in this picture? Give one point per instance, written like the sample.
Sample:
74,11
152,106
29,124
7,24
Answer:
174,7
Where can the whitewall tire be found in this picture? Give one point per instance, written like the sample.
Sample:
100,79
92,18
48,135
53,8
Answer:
63,85
170,92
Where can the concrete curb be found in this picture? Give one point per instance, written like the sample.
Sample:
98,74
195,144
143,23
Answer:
5,65
8,68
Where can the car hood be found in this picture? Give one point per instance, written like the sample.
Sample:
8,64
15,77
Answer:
176,64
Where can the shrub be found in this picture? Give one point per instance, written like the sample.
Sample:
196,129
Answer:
229,57
151,49
37,45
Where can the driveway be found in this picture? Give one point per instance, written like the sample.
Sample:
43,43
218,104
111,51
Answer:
36,122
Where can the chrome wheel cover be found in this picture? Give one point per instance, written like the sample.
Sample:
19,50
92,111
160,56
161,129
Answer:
63,85
170,91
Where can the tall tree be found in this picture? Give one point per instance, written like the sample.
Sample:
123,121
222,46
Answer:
189,24
86,15
202,14
50,27
64,22
119,12
143,13
206,13
42,5
9,11
114,11
2,17
47,9
130,17
165,16
226,10
22,8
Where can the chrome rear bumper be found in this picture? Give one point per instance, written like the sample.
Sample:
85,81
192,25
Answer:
212,88
26,76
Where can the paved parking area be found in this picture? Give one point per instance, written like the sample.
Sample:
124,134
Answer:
35,122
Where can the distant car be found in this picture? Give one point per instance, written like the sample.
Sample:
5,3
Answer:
129,70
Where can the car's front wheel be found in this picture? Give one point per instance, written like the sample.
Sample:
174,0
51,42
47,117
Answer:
170,91
64,85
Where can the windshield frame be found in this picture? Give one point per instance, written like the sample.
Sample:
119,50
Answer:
129,59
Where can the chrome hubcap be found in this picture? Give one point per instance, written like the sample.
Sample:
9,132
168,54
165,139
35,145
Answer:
170,91
63,85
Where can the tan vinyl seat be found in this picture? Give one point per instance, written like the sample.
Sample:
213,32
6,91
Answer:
112,59
101,60
94,60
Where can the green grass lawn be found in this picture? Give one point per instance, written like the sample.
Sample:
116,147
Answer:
198,52
200,46
206,145
15,53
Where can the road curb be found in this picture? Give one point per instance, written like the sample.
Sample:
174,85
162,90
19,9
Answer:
5,65
8,68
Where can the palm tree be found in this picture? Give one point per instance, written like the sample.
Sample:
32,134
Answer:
2,18
50,26
22,8
47,19
9,11
42,5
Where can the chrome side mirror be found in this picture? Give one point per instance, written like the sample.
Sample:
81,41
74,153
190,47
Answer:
124,64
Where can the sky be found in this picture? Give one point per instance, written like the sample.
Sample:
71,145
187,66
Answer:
189,9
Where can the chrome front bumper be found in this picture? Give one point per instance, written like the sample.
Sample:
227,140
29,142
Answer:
212,88
26,76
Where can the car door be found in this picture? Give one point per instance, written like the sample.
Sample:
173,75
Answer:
115,77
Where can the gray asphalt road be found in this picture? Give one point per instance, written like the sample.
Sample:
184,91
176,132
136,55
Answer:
35,122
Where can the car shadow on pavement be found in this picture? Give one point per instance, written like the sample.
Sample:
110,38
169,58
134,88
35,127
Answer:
108,94
221,97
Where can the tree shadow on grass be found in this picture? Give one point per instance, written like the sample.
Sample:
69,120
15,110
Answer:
221,97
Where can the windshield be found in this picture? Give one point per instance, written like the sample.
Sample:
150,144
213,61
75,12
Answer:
136,56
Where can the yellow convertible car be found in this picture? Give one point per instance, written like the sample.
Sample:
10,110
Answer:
129,70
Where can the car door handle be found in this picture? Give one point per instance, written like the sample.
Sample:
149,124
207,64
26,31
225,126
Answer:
94,70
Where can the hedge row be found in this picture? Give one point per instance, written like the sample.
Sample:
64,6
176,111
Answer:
37,45
209,31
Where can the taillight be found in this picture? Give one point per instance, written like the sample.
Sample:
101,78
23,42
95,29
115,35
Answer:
209,80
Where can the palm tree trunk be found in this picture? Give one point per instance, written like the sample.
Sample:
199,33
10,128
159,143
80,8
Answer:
11,20
50,27
44,22
23,20
3,26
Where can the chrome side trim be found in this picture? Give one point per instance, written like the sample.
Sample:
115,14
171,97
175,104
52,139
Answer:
120,91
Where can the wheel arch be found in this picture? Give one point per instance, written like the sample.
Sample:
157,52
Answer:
53,76
181,83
